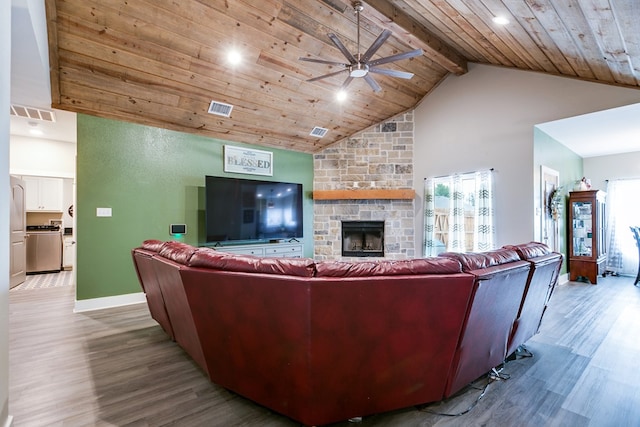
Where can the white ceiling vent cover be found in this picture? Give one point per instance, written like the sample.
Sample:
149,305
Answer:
318,132
220,109
32,113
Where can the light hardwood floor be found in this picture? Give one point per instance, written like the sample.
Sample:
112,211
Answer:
116,367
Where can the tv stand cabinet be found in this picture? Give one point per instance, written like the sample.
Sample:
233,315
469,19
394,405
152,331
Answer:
274,250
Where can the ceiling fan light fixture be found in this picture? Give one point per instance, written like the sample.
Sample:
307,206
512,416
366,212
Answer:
358,70
341,95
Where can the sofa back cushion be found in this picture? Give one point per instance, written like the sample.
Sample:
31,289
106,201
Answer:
476,261
530,250
210,258
152,245
387,268
177,251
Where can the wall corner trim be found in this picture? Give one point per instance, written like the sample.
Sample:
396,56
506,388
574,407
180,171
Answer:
108,302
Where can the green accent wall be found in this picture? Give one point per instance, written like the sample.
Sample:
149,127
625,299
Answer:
549,152
151,178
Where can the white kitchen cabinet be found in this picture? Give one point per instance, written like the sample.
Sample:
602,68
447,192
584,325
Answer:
43,194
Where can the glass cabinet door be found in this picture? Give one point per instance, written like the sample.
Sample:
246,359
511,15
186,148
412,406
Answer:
600,231
582,229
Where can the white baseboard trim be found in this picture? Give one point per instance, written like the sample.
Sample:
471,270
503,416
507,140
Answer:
9,422
564,278
108,302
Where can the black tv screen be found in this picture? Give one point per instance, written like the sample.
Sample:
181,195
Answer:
245,210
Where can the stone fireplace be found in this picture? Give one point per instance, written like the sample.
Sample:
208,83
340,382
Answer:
363,238
379,158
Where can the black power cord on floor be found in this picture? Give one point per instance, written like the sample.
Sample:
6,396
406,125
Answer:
494,375
457,414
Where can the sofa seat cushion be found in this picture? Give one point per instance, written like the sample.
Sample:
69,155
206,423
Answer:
218,260
387,268
477,261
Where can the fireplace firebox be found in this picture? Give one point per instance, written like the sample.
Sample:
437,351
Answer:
363,238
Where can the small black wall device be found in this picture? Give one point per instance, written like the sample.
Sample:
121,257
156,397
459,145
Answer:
178,229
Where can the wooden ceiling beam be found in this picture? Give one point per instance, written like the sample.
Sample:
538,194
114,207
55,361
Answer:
52,34
406,28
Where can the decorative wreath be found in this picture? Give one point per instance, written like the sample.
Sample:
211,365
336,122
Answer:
555,202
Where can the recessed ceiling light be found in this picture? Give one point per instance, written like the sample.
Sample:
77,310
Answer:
500,20
34,130
234,57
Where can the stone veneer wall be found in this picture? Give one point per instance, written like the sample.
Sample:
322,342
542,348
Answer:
379,157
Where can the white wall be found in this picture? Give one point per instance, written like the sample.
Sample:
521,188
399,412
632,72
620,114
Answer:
485,119
42,157
5,72
616,166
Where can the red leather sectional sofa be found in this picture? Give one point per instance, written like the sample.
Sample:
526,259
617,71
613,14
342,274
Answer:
322,342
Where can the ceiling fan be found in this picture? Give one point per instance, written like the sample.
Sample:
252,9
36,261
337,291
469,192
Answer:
360,65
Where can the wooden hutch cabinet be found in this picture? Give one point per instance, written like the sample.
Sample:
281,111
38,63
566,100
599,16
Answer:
587,243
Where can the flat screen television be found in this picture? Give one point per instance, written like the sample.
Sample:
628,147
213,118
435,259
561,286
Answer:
246,210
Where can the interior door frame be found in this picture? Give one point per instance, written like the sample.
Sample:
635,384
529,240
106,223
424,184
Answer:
549,182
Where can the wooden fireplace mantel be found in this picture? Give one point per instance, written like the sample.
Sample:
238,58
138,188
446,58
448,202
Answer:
365,194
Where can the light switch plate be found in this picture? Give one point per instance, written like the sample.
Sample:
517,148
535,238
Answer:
103,211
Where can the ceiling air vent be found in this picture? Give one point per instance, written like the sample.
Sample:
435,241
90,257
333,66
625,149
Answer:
32,113
318,132
220,109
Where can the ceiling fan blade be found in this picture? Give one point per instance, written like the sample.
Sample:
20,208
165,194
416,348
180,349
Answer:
392,73
324,76
322,61
397,57
375,86
376,45
342,48
346,83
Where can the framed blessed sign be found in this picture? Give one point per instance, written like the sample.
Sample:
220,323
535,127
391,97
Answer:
247,160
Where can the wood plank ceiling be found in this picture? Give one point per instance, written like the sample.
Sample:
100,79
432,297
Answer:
161,62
